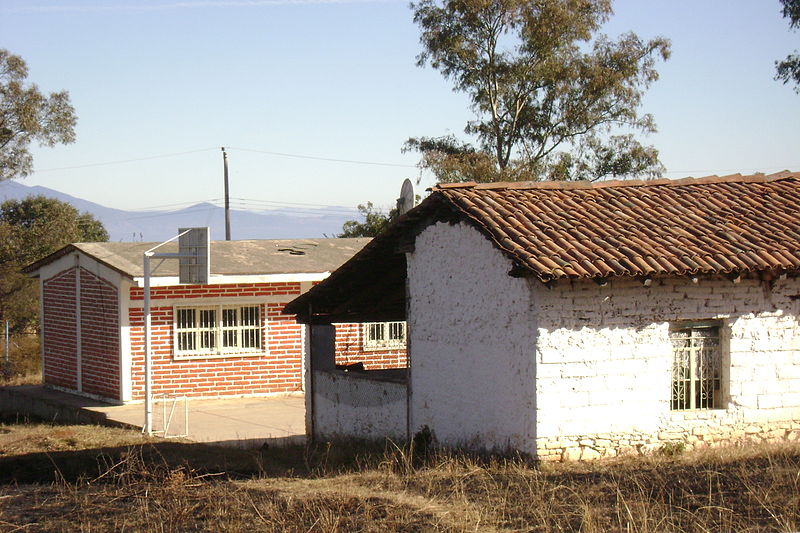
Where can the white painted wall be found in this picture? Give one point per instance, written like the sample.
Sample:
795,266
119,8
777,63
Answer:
579,370
603,354
472,333
353,405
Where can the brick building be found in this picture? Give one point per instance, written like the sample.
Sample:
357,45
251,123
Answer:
577,320
227,338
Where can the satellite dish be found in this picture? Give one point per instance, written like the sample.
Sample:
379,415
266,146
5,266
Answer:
406,200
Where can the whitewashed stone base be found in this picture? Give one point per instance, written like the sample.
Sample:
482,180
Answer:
596,446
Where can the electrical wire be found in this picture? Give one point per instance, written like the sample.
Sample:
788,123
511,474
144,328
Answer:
122,161
315,158
740,169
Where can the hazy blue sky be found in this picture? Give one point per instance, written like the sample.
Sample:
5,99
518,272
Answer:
337,79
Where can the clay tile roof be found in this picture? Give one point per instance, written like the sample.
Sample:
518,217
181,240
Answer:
708,225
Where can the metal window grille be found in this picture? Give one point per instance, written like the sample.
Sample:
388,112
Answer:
379,335
696,367
217,330
196,330
241,328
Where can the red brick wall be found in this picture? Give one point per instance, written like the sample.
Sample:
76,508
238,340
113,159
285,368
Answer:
279,370
99,333
99,336
350,349
59,321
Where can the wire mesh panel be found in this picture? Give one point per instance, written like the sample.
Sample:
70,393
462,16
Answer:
696,367
170,416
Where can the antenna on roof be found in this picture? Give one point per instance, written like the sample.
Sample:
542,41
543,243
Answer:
406,200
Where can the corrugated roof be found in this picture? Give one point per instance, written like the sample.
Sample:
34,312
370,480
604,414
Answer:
561,230
289,256
710,225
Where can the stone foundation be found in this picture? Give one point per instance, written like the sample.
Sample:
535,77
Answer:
685,436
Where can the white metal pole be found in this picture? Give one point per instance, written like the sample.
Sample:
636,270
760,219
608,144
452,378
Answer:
8,343
148,393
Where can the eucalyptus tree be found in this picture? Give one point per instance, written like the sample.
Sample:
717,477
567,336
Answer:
788,70
27,115
553,97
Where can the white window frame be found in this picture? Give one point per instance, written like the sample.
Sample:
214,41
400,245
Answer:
697,384
370,343
218,349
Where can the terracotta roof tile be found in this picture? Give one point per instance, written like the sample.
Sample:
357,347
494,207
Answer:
639,228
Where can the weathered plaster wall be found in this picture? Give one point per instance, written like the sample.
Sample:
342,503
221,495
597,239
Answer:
603,364
353,405
472,340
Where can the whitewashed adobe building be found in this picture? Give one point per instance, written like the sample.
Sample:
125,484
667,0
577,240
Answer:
227,338
577,320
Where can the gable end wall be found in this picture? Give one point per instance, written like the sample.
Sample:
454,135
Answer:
81,343
472,338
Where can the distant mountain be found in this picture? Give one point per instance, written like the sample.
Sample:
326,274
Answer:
161,225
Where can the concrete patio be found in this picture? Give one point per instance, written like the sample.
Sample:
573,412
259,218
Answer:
241,422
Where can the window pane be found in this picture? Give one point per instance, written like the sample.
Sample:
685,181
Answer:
251,327
396,331
251,338
208,318
229,338
375,332
228,318
185,341
185,318
250,316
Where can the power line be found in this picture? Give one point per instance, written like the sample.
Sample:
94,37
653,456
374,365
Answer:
125,160
739,169
281,154
252,203
176,205
316,158
289,203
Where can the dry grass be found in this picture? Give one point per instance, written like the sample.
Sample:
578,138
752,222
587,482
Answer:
118,481
24,366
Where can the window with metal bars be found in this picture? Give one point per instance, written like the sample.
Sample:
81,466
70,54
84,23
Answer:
696,366
379,335
217,330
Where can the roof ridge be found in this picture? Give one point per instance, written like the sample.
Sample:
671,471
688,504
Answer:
576,185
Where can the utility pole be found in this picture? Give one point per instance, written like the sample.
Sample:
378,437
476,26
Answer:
227,197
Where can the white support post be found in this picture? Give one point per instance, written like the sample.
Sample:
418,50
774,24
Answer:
197,271
148,393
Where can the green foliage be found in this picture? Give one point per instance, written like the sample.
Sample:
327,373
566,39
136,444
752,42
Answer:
549,92
374,222
27,115
788,70
672,449
31,229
